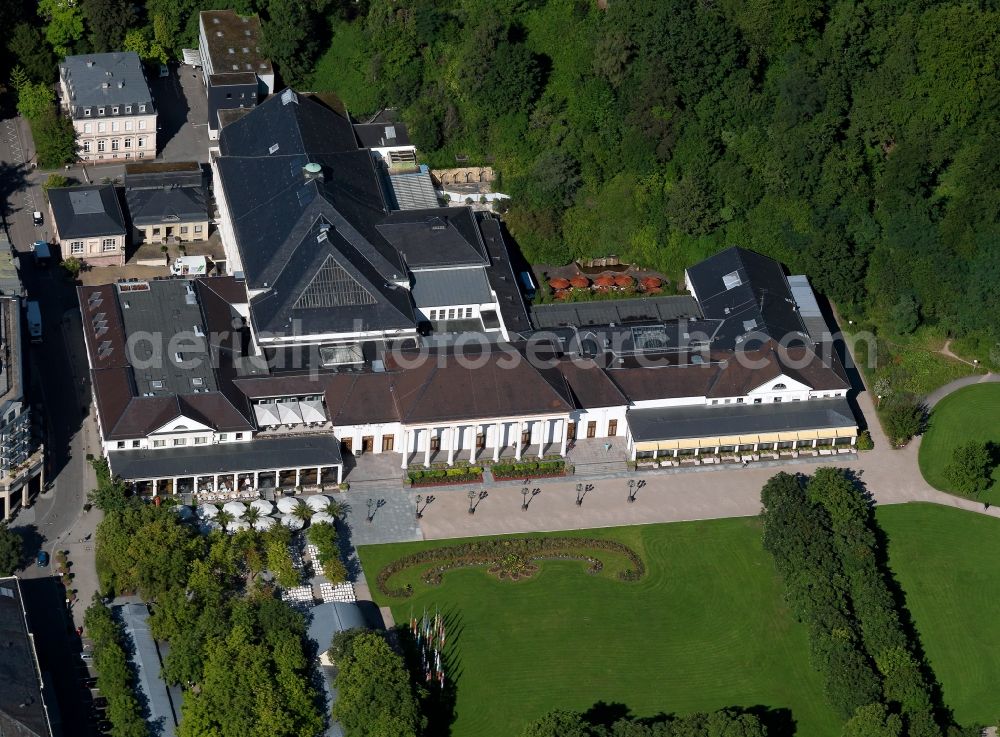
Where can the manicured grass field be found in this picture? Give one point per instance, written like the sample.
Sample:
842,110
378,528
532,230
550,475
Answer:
706,628
948,564
972,413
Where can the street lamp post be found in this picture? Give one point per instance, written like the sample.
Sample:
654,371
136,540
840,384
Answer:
524,493
420,512
472,497
579,495
631,490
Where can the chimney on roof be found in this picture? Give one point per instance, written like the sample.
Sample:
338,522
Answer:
311,171
90,62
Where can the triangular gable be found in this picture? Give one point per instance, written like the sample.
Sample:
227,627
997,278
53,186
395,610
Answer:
180,423
333,286
780,383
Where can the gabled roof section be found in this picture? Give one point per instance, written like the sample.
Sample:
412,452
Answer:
750,294
293,123
442,236
328,286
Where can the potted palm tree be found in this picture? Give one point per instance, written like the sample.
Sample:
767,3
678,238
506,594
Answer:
252,516
224,518
302,511
335,509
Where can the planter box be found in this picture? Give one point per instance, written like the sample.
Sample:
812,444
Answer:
547,475
845,450
825,452
452,481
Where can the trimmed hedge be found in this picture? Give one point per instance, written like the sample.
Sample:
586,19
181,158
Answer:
495,553
528,469
455,475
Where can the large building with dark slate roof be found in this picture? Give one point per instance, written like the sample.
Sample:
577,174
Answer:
89,224
24,699
349,324
306,222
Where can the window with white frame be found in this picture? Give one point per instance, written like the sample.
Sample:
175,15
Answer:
128,125
102,127
223,437
180,441
159,443
101,145
197,229
108,244
86,112
100,111
128,111
200,441
76,247
114,144
142,109
136,443
468,312
184,230
114,111
87,127
86,147
141,142
128,143
114,126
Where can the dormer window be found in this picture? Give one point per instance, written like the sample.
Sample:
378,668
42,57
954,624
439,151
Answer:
128,109
100,111
142,108
114,111
86,111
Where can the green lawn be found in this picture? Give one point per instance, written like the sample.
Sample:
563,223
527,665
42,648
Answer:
972,413
948,563
706,628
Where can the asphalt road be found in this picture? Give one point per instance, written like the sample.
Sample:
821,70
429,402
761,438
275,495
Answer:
55,377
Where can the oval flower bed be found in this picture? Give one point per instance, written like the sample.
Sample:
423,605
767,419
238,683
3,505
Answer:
508,558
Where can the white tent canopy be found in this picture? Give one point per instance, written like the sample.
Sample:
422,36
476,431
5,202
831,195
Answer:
263,506
266,414
238,524
317,502
265,523
289,413
322,517
286,504
312,411
237,509
292,523
208,511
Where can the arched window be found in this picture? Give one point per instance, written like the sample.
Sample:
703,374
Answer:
778,387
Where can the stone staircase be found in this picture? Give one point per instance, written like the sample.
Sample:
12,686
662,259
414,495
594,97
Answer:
600,468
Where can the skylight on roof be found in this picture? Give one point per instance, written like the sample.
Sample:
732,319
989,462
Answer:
288,96
732,280
749,325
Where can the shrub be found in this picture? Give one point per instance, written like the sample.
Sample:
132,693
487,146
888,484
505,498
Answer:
114,674
971,468
864,441
902,418
324,536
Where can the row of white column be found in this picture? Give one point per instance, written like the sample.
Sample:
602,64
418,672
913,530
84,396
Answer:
454,438
745,447
256,477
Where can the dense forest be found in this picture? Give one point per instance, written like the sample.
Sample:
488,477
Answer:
854,140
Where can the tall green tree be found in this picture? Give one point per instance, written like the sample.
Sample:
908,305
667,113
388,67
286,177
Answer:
971,468
64,24
11,550
31,52
375,696
108,21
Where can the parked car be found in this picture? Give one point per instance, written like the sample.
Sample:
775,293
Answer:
36,218
43,558
164,71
